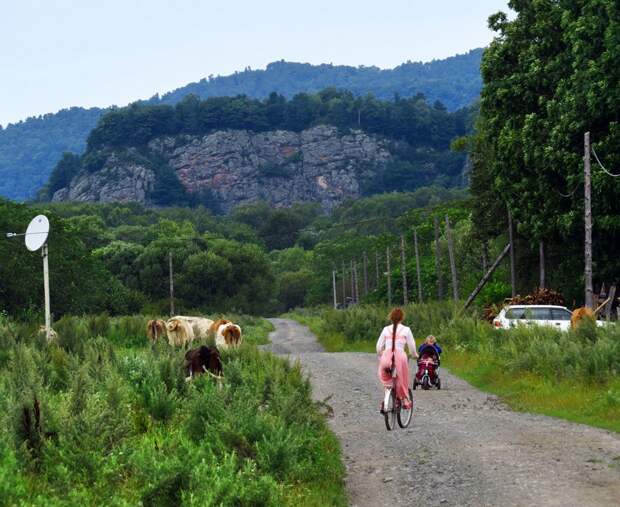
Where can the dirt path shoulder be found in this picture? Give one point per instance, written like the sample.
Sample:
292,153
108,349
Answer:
463,448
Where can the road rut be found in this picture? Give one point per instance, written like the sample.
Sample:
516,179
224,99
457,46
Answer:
463,447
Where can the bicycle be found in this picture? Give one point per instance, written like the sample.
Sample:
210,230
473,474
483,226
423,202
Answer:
392,407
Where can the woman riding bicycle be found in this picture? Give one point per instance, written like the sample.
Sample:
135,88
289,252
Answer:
391,349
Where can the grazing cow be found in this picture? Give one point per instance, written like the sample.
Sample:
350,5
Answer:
579,315
53,334
228,335
200,325
203,360
155,329
179,331
216,325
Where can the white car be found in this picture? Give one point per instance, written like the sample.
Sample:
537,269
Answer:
542,315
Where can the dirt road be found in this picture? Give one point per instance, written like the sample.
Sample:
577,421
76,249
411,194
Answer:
463,448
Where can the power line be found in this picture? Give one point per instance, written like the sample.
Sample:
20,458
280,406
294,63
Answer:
602,166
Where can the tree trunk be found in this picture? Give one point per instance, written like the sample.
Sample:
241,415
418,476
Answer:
513,276
455,280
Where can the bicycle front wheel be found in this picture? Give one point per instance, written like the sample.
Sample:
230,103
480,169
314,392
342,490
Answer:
389,413
404,415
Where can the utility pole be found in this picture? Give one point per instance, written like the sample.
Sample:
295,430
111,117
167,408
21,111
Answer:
357,286
171,283
438,260
344,286
455,281
588,220
513,276
541,260
417,264
353,298
403,269
389,276
365,274
334,289
46,293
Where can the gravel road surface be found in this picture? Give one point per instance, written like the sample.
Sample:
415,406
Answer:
463,447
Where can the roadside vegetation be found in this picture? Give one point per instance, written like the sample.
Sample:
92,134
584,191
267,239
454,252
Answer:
571,375
103,417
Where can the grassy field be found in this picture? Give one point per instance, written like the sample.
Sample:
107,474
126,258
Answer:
105,418
572,375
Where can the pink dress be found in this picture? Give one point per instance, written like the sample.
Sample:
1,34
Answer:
384,348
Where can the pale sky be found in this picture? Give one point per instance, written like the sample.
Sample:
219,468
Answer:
61,53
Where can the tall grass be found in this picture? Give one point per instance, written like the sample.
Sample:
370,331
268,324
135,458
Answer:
105,418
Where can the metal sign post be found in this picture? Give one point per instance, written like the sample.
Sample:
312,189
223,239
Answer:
36,237
46,290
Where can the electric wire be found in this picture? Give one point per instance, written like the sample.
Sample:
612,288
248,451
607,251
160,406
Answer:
602,166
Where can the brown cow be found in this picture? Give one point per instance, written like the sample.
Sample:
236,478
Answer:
203,360
228,335
155,329
216,325
579,315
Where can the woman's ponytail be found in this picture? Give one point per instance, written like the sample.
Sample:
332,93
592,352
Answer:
396,316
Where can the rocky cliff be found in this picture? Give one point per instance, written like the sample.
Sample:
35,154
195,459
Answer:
235,167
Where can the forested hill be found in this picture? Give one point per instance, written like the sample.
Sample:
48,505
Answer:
454,81
30,149
227,151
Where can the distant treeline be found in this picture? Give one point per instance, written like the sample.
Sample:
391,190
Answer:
411,119
454,81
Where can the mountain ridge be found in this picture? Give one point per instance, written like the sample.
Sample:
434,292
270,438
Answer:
29,149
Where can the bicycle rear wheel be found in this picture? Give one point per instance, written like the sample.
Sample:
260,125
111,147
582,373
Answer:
404,415
389,407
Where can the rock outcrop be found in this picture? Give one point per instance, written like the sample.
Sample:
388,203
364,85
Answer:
319,165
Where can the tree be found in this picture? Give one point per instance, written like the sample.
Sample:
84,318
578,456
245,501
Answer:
549,76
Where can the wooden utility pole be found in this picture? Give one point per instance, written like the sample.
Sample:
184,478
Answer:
541,262
438,260
513,276
486,277
334,288
365,274
417,264
353,298
357,286
588,220
389,275
376,270
171,283
344,286
403,269
455,281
